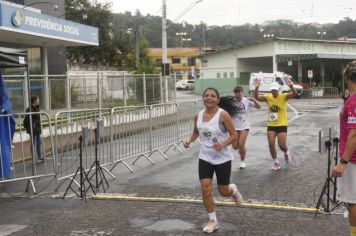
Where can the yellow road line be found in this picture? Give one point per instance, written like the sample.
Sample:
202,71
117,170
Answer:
182,200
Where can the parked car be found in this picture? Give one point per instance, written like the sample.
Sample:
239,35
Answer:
185,84
268,78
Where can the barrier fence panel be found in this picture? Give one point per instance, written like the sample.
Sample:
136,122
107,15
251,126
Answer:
172,92
130,128
321,92
113,90
57,92
200,105
186,113
68,129
84,91
90,89
164,127
153,89
128,132
32,149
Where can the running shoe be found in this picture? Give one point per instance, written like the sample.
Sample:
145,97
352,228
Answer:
287,157
242,165
211,227
237,197
276,167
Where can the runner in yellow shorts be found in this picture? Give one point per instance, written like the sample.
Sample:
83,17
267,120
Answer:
277,119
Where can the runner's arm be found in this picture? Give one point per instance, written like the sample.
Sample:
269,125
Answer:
229,125
293,92
258,97
350,146
255,102
194,135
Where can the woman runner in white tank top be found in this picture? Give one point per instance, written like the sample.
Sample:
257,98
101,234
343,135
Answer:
216,132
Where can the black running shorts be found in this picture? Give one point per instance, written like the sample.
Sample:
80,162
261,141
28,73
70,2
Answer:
277,129
222,171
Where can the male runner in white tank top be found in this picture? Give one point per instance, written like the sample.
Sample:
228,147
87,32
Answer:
216,133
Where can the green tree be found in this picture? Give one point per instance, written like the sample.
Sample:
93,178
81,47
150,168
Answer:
98,15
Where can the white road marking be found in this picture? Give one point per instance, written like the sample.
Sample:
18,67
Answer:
295,112
10,229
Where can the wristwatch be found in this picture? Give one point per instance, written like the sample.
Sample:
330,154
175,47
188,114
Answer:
342,161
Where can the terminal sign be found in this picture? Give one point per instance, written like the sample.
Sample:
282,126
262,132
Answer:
310,74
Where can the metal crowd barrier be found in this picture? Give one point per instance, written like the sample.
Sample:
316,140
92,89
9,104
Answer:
24,156
186,112
68,129
130,128
322,92
129,133
141,131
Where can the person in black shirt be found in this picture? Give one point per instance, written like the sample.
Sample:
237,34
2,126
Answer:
35,128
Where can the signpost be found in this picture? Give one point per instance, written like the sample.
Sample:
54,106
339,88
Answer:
310,76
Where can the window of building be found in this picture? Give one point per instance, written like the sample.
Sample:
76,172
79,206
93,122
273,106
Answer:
191,61
232,75
279,81
218,75
158,62
34,61
225,74
175,60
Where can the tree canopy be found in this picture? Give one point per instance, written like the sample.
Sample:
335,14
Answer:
117,32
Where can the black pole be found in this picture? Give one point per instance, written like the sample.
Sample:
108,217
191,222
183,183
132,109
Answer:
96,158
33,153
81,165
336,143
329,177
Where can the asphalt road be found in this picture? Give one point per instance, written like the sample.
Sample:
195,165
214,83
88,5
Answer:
164,199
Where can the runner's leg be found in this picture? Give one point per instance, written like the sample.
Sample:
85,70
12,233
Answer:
206,188
242,141
206,172
282,143
271,136
352,218
223,172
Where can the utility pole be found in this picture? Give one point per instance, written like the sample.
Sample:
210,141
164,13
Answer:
165,65
138,33
203,38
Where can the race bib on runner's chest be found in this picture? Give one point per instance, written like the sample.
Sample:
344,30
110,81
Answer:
273,116
239,117
205,134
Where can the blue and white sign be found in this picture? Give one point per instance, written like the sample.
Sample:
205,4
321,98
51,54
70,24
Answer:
15,19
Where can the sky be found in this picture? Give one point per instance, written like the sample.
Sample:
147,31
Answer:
238,12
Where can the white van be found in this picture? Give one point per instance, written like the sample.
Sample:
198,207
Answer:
268,78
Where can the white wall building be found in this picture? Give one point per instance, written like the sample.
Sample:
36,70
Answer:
326,58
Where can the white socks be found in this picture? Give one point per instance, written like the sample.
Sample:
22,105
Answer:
212,216
233,189
276,161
